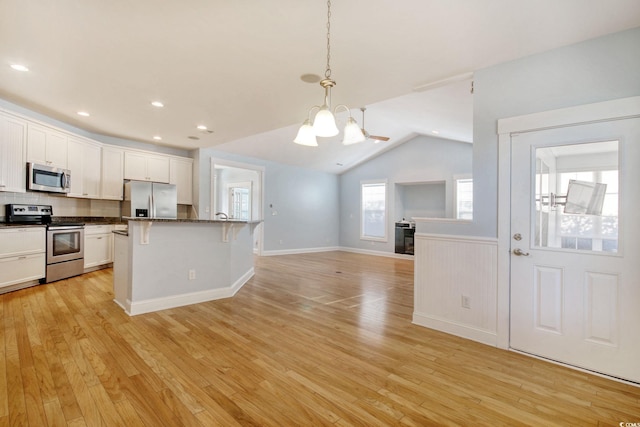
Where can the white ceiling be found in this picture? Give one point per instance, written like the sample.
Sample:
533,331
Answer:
235,66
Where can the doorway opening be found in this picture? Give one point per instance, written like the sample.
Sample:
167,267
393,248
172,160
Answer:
237,193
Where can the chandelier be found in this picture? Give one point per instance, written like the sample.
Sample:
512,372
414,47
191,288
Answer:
324,122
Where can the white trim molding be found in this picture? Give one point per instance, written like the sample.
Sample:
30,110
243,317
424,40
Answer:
157,304
582,114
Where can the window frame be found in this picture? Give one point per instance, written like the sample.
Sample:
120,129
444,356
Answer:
375,182
456,178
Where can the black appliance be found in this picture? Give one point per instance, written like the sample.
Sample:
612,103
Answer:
65,241
404,237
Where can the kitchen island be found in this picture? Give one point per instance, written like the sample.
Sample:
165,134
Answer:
165,263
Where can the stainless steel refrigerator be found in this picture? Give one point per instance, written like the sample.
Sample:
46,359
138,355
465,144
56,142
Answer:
150,200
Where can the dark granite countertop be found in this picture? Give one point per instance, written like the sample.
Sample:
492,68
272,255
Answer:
7,225
193,221
89,220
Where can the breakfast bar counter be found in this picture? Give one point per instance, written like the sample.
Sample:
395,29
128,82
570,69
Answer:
165,263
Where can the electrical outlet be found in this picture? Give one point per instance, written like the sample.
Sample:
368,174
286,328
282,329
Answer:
466,301
192,275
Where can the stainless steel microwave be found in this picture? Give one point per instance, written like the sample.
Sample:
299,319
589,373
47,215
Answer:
48,178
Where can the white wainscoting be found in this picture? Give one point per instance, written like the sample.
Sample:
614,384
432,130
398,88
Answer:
451,271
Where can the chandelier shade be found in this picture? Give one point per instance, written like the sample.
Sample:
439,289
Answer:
352,132
306,135
324,124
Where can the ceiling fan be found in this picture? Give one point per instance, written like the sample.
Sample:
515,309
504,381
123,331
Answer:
375,138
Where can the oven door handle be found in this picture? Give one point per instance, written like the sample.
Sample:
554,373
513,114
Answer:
65,227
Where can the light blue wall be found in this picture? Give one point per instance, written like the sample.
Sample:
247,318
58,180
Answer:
596,70
301,205
422,159
425,200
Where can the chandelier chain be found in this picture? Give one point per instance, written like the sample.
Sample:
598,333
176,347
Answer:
327,73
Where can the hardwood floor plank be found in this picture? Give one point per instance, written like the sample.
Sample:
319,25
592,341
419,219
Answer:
312,339
54,414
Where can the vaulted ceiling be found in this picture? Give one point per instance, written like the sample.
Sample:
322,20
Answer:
235,66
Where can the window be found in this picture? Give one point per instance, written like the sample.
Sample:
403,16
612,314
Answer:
373,207
591,223
464,198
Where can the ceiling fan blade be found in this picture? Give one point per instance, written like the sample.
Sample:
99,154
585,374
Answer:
366,134
379,138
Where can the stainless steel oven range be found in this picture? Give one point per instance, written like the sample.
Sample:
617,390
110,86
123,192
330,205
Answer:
65,251
65,241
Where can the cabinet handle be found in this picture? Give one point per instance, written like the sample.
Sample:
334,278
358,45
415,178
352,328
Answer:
22,257
100,238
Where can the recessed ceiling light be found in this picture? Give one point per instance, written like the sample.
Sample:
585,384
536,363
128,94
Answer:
202,127
157,138
83,114
435,132
157,104
19,67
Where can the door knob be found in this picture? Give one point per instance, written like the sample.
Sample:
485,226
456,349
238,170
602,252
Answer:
518,252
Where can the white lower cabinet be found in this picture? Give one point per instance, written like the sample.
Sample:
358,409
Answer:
22,255
98,245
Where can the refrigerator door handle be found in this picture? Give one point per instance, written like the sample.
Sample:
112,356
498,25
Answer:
152,207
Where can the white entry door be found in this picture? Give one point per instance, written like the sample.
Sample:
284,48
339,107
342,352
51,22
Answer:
575,246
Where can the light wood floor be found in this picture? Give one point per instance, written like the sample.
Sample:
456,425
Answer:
311,340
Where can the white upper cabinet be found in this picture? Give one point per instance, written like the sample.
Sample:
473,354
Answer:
112,173
146,167
181,174
46,146
84,162
13,170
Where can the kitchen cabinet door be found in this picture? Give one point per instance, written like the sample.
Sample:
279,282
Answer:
181,174
112,173
146,167
22,255
13,170
84,163
18,241
22,269
135,166
98,245
46,146
158,169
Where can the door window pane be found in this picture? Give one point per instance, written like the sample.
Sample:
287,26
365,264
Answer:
587,174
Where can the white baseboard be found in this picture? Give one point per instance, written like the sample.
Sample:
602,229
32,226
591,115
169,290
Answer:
300,251
157,304
336,248
457,329
375,253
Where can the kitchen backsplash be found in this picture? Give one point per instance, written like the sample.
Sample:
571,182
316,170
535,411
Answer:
66,206
63,206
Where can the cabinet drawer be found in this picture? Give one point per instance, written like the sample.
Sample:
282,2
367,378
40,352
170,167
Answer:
22,241
98,229
21,269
